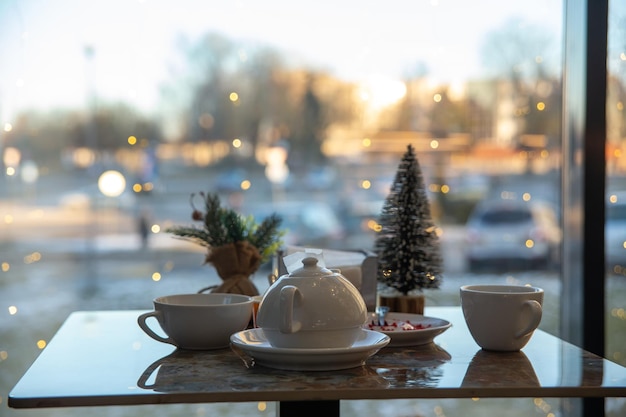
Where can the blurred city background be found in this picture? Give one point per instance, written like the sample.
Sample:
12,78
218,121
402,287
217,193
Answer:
113,115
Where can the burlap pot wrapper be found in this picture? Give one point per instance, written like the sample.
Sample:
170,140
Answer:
235,263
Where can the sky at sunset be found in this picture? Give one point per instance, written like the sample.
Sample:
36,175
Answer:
43,42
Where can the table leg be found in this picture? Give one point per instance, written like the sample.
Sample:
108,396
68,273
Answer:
308,408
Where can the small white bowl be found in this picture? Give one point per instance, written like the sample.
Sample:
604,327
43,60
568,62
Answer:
406,329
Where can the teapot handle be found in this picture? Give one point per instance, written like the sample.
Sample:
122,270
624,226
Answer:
290,296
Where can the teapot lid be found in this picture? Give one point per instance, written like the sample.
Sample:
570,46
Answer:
310,268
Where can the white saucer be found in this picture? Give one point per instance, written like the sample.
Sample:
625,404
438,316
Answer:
255,345
397,324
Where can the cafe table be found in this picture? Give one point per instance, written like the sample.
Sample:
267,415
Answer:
100,358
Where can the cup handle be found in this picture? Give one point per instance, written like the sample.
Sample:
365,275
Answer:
141,320
145,376
536,311
289,296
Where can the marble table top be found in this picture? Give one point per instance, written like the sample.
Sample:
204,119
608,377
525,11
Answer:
104,358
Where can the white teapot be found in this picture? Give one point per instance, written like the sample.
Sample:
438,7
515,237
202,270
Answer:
312,307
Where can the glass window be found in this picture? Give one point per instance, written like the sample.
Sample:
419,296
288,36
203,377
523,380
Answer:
615,238
113,114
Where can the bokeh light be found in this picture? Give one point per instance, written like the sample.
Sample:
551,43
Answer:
111,183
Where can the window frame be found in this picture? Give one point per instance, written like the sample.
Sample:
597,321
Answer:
584,182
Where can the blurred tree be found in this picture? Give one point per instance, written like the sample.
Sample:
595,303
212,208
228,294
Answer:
43,137
293,105
617,41
266,100
320,102
39,138
615,111
308,133
519,52
411,110
545,104
211,111
448,116
616,62
514,49
112,125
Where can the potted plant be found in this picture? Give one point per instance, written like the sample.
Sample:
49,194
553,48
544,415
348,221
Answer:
236,245
407,245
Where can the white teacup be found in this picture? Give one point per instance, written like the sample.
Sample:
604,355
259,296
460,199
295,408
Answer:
199,321
501,317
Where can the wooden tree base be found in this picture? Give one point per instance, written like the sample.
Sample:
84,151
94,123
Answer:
413,304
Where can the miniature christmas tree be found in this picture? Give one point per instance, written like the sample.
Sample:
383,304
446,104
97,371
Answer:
408,246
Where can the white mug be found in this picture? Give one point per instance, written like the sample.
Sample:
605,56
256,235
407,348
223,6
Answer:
198,321
501,317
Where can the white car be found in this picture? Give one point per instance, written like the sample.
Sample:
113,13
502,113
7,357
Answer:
513,232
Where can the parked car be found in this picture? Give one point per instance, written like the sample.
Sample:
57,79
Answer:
524,234
307,223
615,230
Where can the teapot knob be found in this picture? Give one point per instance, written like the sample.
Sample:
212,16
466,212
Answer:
310,262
